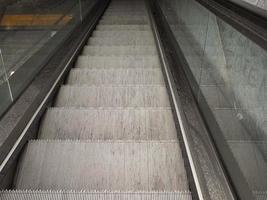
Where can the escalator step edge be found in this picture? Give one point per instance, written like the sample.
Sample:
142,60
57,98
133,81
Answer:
81,195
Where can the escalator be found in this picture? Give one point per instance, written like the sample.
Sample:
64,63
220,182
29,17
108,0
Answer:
110,132
133,100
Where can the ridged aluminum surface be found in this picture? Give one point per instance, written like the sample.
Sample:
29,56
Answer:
113,96
110,62
87,195
115,77
108,123
102,165
120,50
136,27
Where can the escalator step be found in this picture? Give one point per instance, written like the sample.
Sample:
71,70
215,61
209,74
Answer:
118,62
115,77
119,8
143,18
120,34
127,10
125,4
87,124
116,96
82,195
122,27
120,50
123,40
102,165
126,14
260,195
122,21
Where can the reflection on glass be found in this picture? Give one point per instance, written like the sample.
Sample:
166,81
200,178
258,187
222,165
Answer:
5,91
231,72
29,31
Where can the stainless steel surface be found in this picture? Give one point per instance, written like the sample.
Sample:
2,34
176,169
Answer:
207,173
116,165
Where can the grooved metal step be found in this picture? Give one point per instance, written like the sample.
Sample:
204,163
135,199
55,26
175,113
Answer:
128,34
260,195
123,22
122,27
126,14
109,123
102,165
118,62
115,77
120,50
117,8
123,40
126,11
82,195
143,18
117,96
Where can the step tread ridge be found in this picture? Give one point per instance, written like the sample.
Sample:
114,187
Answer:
148,124
119,165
